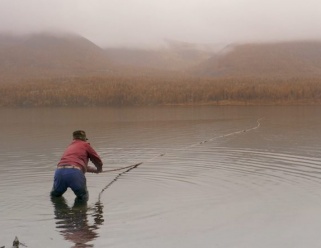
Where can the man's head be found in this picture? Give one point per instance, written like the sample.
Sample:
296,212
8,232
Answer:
79,134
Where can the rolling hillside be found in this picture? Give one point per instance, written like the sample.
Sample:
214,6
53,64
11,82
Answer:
52,56
49,55
47,70
287,59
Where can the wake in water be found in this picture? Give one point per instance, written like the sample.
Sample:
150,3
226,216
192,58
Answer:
131,167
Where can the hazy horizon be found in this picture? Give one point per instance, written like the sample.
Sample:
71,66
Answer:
142,23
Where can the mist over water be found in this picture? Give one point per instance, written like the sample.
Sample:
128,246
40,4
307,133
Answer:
210,176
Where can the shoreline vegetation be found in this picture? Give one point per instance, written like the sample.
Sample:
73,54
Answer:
151,90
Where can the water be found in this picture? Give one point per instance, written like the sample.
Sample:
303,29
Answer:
210,177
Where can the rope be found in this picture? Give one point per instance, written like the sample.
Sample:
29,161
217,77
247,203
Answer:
131,167
116,178
121,168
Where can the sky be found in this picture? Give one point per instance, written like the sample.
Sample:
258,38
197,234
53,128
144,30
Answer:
151,22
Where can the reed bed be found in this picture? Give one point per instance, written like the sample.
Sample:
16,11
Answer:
162,90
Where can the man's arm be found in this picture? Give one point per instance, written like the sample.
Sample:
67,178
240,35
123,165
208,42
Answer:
95,159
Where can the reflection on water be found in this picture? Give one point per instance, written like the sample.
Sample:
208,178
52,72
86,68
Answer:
73,223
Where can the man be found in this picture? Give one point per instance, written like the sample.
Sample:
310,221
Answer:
73,165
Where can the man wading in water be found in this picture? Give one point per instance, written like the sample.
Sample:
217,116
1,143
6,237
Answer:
73,165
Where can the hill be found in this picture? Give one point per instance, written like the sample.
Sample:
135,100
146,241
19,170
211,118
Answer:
53,56
43,55
286,59
71,71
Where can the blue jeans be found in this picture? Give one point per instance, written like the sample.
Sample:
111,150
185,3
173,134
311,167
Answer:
70,178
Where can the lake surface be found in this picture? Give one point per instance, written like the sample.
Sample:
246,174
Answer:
238,177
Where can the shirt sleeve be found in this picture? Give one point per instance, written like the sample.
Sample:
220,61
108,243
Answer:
94,157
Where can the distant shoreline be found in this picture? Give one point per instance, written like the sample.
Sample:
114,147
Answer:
160,91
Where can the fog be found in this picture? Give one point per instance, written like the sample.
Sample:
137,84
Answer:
149,22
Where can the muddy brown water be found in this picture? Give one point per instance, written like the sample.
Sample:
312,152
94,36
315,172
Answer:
210,177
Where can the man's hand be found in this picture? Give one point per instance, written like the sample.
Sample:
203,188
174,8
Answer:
93,170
